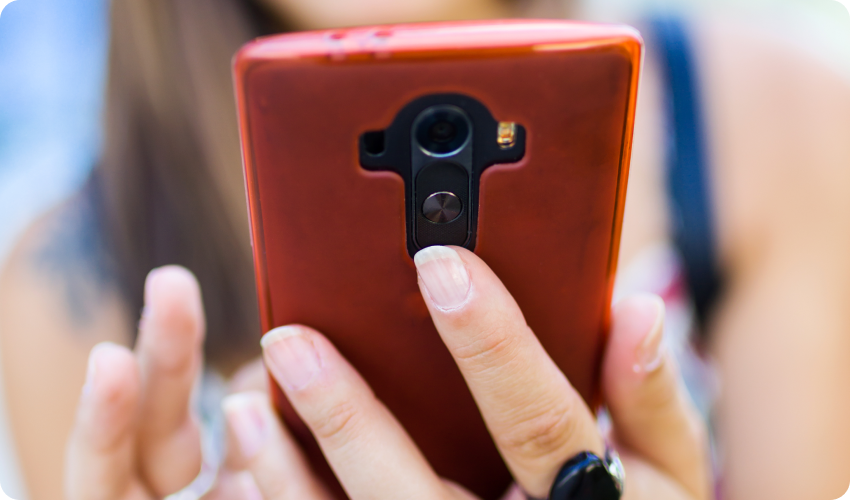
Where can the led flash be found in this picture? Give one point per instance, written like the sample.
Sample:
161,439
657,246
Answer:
506,135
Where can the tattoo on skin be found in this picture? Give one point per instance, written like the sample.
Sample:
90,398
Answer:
75,256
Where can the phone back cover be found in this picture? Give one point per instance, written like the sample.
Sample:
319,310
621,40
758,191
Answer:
329,236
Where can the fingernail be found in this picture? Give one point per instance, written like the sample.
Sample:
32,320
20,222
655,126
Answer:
291,357
650,352
444,276
246,420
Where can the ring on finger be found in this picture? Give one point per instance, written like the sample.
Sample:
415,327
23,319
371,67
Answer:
586,476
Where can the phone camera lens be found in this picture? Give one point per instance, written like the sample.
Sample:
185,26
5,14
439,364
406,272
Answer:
442,130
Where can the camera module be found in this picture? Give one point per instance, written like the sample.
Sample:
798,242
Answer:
442,130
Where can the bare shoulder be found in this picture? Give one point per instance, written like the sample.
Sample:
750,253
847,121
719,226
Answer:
59,267
56,302
779,117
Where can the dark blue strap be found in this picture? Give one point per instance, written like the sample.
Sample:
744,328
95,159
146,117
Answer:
688,183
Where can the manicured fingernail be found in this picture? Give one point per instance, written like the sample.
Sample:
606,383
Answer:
291,357
246,419
444,276
650,352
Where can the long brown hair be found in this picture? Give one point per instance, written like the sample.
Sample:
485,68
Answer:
169,187
169,184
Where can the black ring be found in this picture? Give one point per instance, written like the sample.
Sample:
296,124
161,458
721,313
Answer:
586,476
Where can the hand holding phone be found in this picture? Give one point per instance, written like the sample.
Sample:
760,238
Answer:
363,146
535,417
512,140
112,453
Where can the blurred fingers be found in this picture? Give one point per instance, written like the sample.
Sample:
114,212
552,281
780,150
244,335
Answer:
261,445
252,376
234,486
536,418
169,350
370,453
652,414
100,457
644,481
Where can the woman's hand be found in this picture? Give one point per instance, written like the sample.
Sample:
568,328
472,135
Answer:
135,437
536,418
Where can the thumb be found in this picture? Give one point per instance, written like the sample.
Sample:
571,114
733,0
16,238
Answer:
652,414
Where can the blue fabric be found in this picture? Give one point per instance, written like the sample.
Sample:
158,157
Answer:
688,181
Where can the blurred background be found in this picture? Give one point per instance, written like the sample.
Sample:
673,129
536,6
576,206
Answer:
52,63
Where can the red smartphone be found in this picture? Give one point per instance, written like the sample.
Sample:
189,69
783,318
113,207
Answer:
363,145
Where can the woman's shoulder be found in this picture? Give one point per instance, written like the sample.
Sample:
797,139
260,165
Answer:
59,267
778,113
56,302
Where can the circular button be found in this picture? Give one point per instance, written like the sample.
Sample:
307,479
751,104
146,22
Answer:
442,207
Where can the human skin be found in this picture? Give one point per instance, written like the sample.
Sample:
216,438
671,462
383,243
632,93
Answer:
777,121
135,438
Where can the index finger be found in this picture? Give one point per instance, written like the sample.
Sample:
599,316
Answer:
537,419
171,334
99,460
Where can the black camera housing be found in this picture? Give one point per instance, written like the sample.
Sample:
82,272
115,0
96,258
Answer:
440,143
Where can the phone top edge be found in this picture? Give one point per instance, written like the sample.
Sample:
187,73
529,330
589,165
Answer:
444,38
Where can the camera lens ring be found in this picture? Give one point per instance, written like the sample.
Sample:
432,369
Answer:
442,130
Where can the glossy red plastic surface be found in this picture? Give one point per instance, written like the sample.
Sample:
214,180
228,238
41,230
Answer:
329,236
